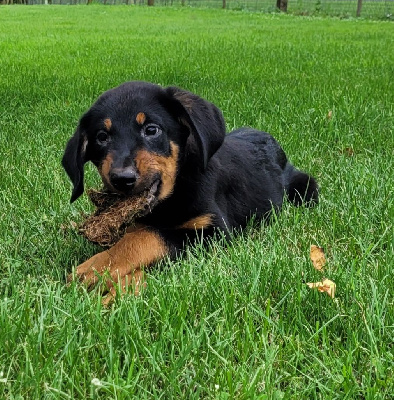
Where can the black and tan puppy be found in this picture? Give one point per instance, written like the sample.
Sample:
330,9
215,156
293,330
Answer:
171,142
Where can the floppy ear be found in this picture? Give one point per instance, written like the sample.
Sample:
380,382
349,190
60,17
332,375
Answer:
204,119
74,160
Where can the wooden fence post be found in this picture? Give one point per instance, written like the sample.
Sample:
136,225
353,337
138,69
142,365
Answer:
282,5
359,5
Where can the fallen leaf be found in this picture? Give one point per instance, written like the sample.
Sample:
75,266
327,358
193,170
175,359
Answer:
324,286
329,115
317,257
348,151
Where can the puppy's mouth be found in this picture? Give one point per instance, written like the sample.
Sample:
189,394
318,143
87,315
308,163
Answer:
148,192
152,194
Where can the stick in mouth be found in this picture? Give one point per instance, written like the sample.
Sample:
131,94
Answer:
115,213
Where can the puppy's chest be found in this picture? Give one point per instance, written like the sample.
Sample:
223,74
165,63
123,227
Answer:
174,212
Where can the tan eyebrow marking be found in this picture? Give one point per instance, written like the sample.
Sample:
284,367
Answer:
107,124
140,118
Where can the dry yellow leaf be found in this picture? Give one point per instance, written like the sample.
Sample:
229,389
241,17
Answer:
317,257
324,286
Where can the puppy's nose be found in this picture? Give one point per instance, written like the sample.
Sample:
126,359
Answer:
123,180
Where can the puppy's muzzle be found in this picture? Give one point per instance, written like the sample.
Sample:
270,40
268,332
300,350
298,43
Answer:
123,180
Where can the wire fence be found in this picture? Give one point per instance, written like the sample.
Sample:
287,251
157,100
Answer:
376,9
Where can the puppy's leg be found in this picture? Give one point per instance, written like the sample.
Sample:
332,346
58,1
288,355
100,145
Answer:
134,281
136,249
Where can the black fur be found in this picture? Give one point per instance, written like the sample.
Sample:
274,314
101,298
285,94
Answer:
227,178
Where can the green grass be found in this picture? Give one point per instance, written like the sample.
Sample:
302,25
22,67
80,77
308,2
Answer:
236,322
375,9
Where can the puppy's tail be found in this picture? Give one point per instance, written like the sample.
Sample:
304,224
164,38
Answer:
300,187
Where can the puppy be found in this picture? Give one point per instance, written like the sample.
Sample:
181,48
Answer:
173,143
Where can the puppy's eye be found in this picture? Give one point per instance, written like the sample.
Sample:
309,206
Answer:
151,130
102,137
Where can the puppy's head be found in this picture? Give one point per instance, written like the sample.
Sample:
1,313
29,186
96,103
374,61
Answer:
139,134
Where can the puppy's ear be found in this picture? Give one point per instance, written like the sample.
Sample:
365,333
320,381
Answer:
73,161
204,120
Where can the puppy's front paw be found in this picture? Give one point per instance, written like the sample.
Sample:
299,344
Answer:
88,271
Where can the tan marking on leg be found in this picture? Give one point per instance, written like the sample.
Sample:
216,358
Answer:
149,164
200,222
140,118
107,124
133,251
136,249
87,272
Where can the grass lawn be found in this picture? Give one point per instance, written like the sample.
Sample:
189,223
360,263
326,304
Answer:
237,322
